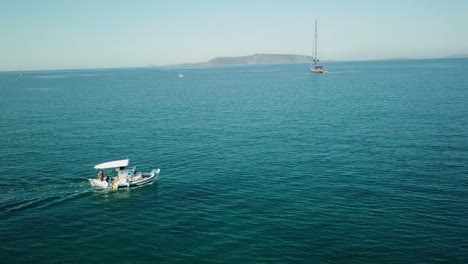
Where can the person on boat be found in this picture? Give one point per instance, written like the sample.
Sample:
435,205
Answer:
101,176
115,183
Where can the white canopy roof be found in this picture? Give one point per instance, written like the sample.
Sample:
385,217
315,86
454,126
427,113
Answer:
112,164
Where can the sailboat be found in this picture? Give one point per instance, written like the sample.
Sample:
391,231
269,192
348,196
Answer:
316,68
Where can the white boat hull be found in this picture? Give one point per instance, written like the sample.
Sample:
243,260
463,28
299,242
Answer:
134,181
318,71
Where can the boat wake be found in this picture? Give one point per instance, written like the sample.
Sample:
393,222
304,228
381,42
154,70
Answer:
22,199
340,72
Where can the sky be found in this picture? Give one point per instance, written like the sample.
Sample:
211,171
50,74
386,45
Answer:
65,34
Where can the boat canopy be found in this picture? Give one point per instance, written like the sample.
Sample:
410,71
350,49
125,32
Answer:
112,164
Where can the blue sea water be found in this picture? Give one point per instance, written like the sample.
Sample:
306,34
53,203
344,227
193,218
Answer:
259,164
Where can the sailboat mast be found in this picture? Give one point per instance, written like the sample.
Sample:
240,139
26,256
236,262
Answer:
315,45
316,69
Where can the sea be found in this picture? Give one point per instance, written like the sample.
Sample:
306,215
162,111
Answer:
367,163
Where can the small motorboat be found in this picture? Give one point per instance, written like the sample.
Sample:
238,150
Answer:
180,75
117,174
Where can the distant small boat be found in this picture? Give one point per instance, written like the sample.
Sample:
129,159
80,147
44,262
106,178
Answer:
316,68
117,174
180,75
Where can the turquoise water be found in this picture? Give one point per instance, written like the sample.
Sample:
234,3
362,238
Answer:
259,164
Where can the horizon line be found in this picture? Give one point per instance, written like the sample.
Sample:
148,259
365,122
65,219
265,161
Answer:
194,63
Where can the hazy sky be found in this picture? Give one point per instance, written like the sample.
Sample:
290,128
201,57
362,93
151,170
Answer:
48,34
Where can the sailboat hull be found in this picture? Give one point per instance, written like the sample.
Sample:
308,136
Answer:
318,70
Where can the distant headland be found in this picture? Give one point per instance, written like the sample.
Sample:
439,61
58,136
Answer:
255,59
265,58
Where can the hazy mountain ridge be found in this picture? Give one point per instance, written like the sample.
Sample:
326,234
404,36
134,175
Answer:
256,59
265,58
457,56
